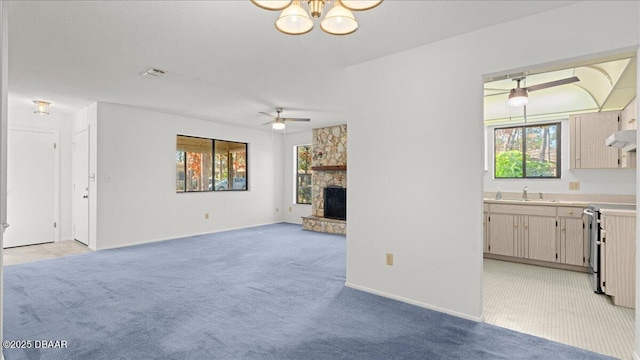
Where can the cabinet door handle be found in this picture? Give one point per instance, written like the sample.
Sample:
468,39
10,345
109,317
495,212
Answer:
570,212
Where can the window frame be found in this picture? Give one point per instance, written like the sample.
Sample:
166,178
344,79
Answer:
213,149
297,175
558,125
246,152
186,163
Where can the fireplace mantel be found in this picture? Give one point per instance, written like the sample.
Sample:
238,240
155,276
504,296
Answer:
329,167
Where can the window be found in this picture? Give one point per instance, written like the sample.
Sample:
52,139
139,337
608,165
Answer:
193,163
531,151
230,168
303,174
198,169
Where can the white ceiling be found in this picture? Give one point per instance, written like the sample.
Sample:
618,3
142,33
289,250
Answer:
225,61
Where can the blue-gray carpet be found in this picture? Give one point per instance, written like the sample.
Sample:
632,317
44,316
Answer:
267,292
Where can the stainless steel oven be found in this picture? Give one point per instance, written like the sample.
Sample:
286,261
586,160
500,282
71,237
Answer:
593,230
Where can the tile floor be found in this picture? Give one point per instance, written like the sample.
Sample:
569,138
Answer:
557,305
22,254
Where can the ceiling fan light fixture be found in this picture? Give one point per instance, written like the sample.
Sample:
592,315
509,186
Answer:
294,20
339,21
272,5
356,5
518,97
278,125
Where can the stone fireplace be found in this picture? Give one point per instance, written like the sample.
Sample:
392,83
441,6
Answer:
329,146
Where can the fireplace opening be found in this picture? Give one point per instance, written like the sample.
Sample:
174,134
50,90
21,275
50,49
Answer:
335,203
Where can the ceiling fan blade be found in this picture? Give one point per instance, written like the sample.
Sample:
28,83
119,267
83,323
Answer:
552,83
268,122
498,93
295,119
264,113
496,89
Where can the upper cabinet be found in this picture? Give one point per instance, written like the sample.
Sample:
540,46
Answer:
629,121
588,133
629,116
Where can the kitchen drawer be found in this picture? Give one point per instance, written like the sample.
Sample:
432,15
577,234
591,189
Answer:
486,207
570,212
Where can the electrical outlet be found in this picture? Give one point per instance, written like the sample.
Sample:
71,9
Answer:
574,185
389,259
206,216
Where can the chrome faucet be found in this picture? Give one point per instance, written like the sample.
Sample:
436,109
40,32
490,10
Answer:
524,193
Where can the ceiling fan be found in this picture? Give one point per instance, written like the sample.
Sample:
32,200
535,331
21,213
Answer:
519,96
278,122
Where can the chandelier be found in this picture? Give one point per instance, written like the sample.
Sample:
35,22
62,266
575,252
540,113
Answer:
295,20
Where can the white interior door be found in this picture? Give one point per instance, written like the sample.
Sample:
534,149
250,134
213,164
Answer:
81,186
31,188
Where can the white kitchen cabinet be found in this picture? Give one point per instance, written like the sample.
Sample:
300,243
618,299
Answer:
551,235
629,116
571,236
588,133
618,254
522,231
502,234
628,121
541,232
485,244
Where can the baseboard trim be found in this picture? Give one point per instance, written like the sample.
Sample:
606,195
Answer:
414,302
181,236
635,356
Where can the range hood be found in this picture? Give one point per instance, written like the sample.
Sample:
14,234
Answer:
625,140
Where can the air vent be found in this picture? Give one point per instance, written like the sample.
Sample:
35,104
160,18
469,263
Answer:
153,73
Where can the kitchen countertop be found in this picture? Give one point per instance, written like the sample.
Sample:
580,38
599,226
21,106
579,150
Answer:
538,202
581,204
617,212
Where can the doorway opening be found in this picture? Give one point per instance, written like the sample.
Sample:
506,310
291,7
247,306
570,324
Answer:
523,288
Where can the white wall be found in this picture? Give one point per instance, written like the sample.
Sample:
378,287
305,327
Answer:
293,212
21,116
432,220
136,197
592,181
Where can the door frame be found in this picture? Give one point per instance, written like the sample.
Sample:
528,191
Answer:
56,170
73,182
